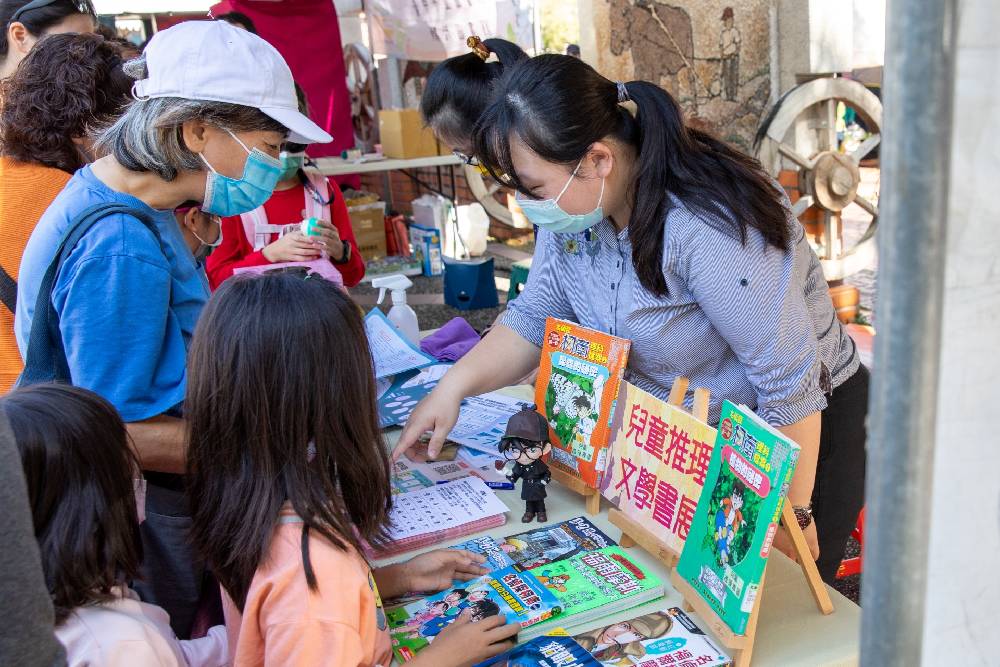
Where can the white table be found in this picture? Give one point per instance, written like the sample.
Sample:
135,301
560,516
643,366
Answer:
790,631
335,166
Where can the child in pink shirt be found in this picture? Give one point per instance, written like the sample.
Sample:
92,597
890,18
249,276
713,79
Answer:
288,473
82,479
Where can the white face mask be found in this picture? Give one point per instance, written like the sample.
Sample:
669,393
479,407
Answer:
206,248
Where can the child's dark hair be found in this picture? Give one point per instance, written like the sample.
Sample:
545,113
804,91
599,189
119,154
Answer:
460,88
79,467
281,407
36,21
559,106
238,19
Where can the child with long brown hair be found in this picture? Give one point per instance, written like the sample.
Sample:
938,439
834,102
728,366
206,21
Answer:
87,501
288,475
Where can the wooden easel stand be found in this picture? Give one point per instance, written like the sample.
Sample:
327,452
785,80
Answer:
740,644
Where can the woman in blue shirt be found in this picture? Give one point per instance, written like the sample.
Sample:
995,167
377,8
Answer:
657,232
214,104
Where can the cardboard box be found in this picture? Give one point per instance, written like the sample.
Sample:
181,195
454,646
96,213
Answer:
368,223
403,135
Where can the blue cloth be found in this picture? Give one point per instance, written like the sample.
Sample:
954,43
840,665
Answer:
127,306
750,323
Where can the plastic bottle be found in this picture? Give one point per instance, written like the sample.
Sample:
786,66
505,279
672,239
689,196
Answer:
401,315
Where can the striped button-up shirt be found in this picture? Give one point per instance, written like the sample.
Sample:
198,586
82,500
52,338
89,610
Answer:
751,323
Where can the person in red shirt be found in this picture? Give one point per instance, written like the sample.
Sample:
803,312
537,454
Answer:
255,238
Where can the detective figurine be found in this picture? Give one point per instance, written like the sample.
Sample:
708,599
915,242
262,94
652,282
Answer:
524,443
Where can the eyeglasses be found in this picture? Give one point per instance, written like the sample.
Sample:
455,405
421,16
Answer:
470,160
514,452
82,6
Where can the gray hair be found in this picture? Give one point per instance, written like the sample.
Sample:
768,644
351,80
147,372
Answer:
148,136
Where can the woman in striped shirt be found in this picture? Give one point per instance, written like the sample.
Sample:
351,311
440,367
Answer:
657,232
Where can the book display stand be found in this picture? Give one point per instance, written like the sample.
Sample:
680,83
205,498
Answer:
633,534
591,496
741,646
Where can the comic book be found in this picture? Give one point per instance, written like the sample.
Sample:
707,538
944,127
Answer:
551,650
597,584
667,637
517,596
577,386
738,514
496,557
550,543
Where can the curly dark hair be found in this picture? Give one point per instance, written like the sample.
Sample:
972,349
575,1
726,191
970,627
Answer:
66,85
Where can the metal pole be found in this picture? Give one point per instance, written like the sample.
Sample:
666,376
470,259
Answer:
919,70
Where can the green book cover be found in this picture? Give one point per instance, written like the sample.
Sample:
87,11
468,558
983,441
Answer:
738,514
607,579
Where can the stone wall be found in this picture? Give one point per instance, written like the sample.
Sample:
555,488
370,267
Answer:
712,55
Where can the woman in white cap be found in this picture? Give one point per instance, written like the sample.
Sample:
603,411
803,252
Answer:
109,292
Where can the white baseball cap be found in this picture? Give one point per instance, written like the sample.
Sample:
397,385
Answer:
216,62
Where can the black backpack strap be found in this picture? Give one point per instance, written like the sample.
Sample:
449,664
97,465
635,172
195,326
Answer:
45,359
8,291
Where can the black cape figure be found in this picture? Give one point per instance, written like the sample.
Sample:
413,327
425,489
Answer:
525,442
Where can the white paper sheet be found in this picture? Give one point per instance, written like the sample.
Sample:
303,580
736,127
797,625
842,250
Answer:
391,352
442,507
482,420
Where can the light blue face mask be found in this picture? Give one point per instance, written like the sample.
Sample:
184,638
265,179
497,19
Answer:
290,164
548,215
226,196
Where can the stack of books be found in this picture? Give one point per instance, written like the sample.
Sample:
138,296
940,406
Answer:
568,574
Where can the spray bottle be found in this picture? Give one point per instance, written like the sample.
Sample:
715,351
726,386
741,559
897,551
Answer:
401,315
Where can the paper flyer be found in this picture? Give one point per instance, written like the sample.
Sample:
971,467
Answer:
391,353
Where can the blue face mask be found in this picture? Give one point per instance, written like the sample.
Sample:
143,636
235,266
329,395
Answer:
548,215
226,196
290,164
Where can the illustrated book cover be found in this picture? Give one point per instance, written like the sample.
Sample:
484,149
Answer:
517,596
738,514
578,379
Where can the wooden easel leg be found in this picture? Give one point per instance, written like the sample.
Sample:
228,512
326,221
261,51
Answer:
594,503
806,562
626,542
678,391
743,656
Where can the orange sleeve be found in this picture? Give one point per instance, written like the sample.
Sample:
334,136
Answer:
314,642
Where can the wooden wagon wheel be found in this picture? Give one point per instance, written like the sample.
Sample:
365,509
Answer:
360,86
494,197
801,134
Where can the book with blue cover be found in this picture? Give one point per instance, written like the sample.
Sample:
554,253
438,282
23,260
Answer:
517,596
555,650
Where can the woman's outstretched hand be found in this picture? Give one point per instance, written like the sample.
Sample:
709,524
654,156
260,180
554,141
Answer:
437,415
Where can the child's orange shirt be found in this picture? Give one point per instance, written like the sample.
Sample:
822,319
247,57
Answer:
285,624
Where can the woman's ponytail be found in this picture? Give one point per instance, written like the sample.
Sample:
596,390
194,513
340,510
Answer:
724,186
662,137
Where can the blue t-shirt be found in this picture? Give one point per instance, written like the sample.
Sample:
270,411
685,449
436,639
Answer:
127,305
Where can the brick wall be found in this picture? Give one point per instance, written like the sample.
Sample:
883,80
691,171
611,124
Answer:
403,190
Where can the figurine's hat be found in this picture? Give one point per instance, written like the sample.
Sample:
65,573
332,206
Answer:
527,425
